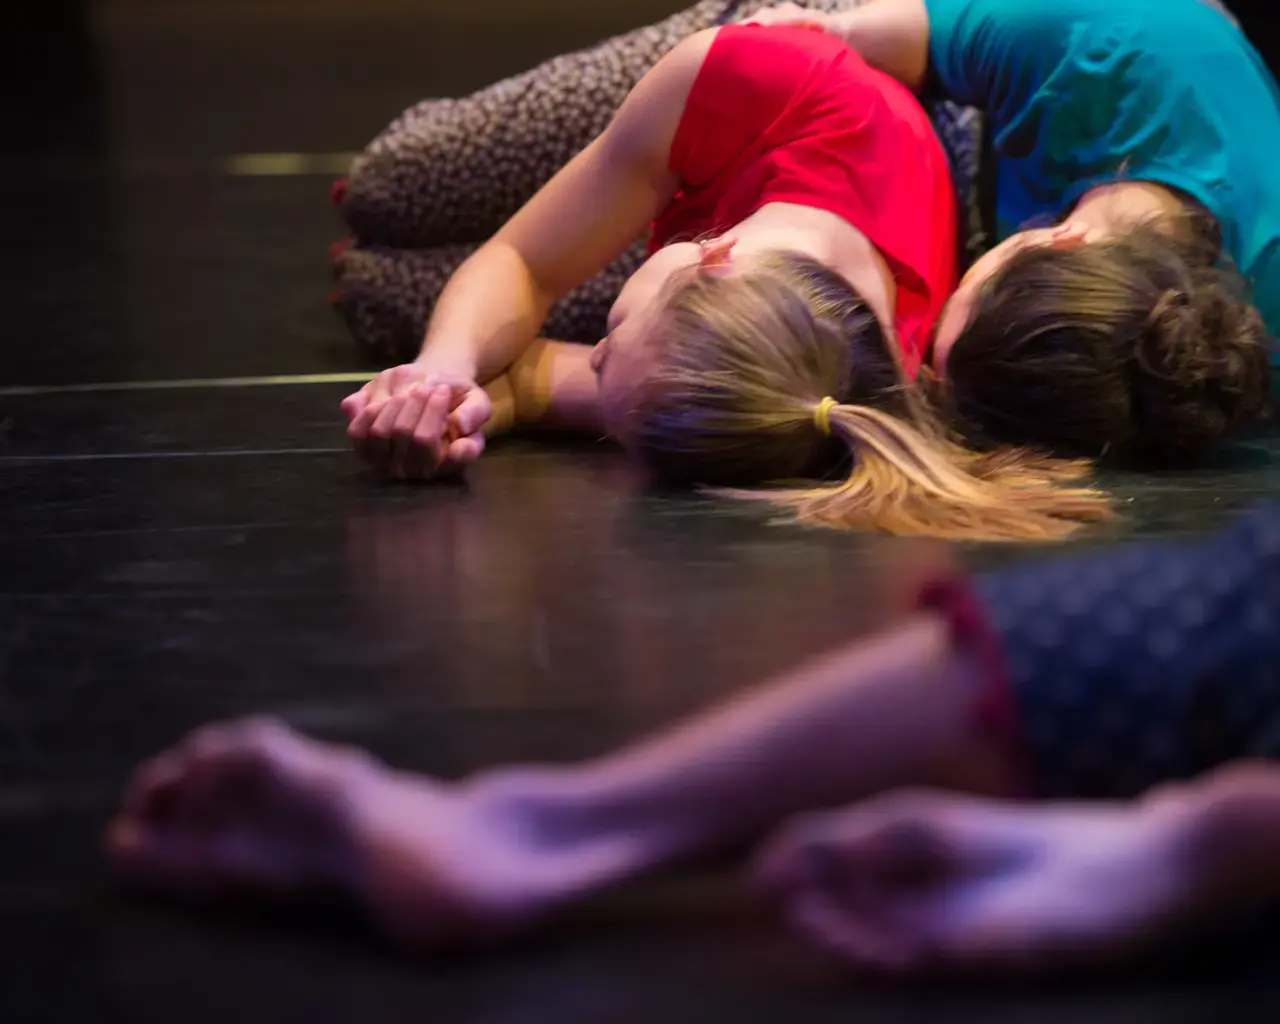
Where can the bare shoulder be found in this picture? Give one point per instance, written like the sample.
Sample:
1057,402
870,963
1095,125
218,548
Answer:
672,78
651,113
688,54
893,35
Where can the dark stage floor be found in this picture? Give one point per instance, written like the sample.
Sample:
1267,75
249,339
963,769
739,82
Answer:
175,555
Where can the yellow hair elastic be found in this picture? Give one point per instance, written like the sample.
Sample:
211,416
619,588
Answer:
822,415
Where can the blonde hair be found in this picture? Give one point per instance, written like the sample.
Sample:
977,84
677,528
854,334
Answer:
741,363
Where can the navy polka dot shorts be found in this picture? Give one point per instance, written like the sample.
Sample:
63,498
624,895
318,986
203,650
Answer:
1151,662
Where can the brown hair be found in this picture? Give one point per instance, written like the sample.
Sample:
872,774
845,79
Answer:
1141,347
743,360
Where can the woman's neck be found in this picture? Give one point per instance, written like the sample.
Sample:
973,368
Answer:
832,241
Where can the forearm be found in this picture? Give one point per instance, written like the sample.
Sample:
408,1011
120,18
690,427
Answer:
898,710
551,385
892,36
504,416
554,386
487,316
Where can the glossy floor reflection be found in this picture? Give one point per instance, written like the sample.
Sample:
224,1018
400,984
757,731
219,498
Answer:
169,557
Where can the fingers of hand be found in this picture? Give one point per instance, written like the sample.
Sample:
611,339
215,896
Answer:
406,461
420,433
466,450
408,425
471,412
355,403
375,444
376,409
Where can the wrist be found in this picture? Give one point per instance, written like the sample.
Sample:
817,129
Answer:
503,417
445,362
571,810
530,388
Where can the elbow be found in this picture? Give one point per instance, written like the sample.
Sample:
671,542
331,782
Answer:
500,260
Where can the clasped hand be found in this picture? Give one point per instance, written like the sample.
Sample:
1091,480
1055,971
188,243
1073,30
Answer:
415,423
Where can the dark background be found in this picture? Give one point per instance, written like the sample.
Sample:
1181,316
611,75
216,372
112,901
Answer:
172,556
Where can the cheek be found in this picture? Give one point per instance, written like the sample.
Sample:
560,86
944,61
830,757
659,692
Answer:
615,416
616,395
623,375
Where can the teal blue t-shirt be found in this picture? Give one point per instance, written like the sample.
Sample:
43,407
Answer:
1079,92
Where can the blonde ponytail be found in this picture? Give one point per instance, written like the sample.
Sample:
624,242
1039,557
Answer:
908,480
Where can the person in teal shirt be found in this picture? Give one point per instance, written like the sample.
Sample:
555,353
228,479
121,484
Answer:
1137,213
